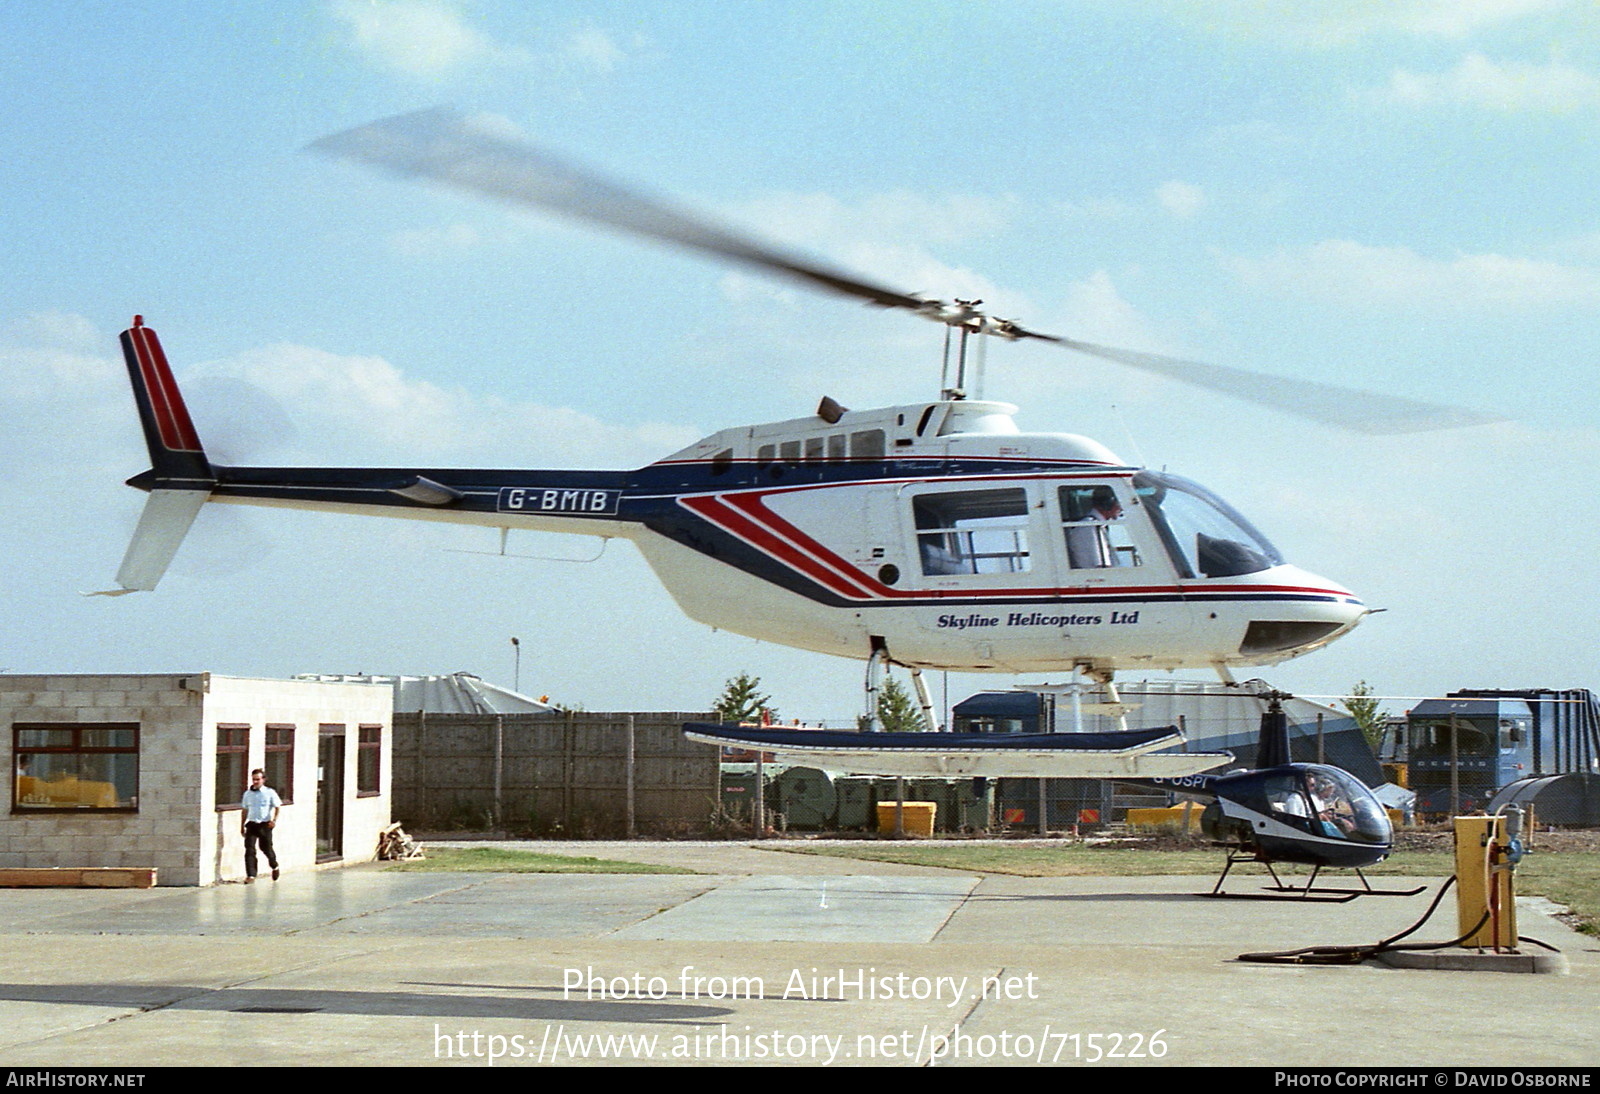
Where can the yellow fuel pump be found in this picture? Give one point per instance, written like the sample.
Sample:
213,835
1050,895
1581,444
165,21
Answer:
1487,852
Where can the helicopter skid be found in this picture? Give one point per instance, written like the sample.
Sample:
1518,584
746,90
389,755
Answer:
1308,892
1368,890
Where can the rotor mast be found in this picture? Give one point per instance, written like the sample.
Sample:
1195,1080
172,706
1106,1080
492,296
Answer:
963,315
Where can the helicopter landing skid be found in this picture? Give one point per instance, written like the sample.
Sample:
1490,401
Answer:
1307,892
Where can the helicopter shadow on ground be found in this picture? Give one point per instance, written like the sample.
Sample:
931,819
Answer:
153,997
1138,898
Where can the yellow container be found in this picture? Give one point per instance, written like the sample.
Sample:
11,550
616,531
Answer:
1183,817
918,818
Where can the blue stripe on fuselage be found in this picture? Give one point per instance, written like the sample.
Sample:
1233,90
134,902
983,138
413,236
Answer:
650,496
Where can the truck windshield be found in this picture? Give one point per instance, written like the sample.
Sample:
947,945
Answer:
1204,534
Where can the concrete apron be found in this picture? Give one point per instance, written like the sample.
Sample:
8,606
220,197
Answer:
777,958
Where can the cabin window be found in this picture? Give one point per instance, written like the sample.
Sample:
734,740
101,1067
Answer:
766,454
1096,536
790,451
838,446
1286,799
972,532
867,445
84,767
722,462
814,448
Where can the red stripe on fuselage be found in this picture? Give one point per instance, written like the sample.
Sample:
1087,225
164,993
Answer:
716,510
746,515
166,402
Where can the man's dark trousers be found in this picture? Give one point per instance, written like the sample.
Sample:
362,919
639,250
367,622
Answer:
258,831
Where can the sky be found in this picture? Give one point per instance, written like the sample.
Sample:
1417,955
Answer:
1395,196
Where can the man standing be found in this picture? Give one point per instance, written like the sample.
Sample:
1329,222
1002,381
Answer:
260,804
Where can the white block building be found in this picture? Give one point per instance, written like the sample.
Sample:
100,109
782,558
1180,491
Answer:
147,770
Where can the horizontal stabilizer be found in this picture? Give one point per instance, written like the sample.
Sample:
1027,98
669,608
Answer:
1129,754
165,521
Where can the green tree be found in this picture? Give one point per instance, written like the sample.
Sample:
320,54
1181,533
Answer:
896,709
742,700
1368,714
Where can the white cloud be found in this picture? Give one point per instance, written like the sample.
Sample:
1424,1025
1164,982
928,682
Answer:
47,356
881,238
435,242
822,219
1509,87
1332,23
425,38
285,404
743,288
1355,274
1181,199
64,406
1096,312
366,409
432,39
1097,208
594,49
62,330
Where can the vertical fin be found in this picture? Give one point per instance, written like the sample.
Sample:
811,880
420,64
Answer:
180,479
175,449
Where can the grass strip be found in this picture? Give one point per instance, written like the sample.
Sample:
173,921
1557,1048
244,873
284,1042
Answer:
1565,877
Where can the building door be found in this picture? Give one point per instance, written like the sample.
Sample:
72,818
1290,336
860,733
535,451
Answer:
330,793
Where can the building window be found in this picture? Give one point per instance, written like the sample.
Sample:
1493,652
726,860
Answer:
80,767
233,764
369,756
280,761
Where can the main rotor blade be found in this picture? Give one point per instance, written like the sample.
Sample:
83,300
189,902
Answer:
443,145
1360,411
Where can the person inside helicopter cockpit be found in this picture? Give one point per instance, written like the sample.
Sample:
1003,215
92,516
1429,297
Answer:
1342,808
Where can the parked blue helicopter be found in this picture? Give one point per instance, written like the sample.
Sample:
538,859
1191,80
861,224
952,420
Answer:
1282,811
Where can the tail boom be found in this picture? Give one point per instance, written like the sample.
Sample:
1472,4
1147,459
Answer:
181,480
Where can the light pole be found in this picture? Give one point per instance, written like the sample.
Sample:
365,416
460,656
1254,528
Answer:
516,672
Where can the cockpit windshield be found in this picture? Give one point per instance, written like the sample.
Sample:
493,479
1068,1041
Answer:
1327,802
1204,534
1343,807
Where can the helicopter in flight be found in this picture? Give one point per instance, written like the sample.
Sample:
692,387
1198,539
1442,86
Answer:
934,534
